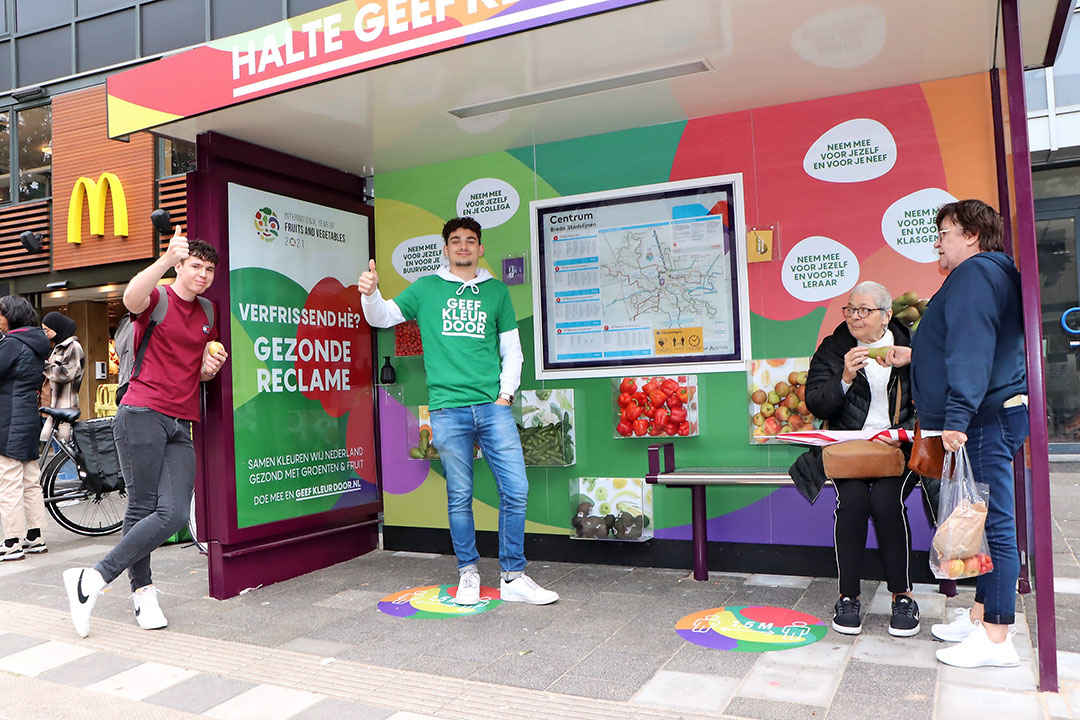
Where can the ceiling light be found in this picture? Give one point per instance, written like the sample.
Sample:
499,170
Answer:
588,88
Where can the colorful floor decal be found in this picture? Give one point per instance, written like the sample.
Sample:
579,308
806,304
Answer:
750,628
436,601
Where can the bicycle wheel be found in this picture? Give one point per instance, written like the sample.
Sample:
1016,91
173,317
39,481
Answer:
192,527
72,507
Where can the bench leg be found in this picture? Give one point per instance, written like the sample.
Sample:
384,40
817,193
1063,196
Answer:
700,532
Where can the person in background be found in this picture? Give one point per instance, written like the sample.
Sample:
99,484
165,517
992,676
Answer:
22,357
852,392
472,357
969,380
64,370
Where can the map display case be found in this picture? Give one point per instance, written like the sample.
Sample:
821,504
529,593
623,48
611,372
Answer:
650,279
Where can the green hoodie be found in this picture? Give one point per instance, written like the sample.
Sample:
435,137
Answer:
460,323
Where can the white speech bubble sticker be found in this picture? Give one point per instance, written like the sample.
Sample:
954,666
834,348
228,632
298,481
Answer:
489,201
419,256
853,151
908,225
819,268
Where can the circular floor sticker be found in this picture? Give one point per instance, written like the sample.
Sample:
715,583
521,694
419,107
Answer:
751,628
436,601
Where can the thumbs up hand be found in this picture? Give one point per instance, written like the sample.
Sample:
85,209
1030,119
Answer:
369,280
178,247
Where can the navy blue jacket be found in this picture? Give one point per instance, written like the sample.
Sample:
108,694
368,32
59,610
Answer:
967,357
22,362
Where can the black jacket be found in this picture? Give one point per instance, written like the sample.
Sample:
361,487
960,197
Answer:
847,411
22,362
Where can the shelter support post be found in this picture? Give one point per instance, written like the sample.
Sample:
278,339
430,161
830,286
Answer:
1043,553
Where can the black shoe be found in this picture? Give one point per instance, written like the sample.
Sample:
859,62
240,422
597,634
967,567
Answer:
905,617
848,616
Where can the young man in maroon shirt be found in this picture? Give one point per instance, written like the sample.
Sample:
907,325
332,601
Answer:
153,427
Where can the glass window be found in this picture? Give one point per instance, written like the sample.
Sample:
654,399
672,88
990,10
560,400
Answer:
5,156
171,24
1035,90
232,18
299,7
43,56
105,40
34,133
36,14
5,66
3,18
175,157
1067,68
93,7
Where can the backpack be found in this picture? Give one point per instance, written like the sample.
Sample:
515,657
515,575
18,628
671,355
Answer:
131,357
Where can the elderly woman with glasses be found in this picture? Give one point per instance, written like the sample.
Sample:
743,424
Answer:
851,391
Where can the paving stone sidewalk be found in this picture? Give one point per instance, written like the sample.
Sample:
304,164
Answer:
317,647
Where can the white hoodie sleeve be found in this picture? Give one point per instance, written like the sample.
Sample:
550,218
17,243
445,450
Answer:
512,358
380,312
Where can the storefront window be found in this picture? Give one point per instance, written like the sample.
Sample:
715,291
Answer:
175,157
34,133
5,157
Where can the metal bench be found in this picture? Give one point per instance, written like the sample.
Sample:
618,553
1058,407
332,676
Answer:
697,478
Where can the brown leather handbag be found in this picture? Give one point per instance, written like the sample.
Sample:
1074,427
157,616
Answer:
863,458
927,455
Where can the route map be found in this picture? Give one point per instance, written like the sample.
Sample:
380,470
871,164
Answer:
640,281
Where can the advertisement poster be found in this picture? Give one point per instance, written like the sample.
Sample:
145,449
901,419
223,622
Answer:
643,277
300,358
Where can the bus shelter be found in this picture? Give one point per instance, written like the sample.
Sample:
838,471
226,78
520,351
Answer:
804,145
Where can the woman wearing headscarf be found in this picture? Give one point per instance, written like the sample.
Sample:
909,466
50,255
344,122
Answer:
22,356
63,369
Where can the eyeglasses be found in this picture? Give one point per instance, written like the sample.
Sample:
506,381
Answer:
861,312
945,231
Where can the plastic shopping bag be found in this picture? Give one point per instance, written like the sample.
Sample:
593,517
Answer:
959,549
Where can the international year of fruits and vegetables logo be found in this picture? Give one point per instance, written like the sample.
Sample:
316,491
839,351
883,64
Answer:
436,601
750,628
266,224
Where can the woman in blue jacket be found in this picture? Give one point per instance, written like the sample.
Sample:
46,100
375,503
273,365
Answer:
23,349
969,381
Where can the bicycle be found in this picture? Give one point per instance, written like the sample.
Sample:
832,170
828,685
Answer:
73,504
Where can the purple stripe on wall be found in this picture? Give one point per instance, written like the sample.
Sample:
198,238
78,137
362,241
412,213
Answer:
550,19
785,518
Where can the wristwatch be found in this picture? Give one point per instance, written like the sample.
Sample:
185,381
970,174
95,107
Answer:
508,397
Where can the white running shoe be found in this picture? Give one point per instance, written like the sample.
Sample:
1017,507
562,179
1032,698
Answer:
468,589
957,630
147,611
977,650
83,586
524,589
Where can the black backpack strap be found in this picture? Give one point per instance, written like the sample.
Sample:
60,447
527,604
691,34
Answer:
157,315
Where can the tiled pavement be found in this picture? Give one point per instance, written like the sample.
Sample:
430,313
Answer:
316,647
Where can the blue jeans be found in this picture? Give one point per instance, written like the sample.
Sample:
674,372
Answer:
992,442
492,427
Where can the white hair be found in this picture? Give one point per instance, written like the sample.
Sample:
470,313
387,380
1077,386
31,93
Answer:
882,298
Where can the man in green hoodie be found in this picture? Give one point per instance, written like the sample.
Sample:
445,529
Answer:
472,358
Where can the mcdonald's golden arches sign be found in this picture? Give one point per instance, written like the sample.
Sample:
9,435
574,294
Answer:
96,193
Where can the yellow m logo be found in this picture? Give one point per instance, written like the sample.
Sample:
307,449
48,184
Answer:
96,193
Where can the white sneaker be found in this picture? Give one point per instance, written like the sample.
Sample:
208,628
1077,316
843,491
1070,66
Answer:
468,589
83,586
957,630
147,611
524,589
977,650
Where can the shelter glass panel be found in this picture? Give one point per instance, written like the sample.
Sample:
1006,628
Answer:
1035,89
175,157
1067,69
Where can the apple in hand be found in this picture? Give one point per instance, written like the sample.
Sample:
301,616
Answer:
214,347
